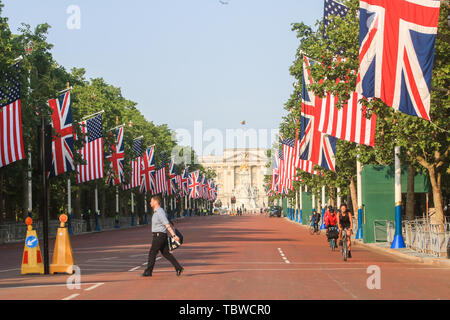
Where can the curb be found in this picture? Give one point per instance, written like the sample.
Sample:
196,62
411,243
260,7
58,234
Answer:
429,261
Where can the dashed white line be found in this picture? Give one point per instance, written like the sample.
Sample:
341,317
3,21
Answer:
72,296
283,256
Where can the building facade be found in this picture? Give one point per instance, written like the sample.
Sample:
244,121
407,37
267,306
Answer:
240,174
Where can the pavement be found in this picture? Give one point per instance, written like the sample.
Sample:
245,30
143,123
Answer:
251,257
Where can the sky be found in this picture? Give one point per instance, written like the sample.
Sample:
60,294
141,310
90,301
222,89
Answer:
182,61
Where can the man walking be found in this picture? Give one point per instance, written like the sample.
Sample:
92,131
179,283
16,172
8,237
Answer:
160,227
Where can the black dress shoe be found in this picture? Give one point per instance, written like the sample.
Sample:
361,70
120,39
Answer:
147,273
179,272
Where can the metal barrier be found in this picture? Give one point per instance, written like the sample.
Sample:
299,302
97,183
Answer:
16,232
427,238
380,229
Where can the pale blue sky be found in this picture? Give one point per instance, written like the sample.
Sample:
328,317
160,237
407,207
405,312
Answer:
182,60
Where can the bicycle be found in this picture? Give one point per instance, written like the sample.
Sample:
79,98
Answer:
344,244
332,240
312,229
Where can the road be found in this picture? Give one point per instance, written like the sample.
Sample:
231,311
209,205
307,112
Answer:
225,258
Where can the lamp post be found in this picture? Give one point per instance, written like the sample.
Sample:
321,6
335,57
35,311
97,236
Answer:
28,51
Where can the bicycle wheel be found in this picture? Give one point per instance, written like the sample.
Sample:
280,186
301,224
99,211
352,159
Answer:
344,248
311,230
318,231
333,244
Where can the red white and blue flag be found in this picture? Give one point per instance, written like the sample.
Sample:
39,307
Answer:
183,183
136,165
348,123
397,40
11,138
147,171
172,189
194,185
62,142
161,180
315,146
92,151
117,159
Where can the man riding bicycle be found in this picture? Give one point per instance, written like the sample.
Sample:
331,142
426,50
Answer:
315,219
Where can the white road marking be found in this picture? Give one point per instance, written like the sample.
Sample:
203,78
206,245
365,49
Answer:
45,286
144,264
9,270
134,269
71,297
283,256
94,286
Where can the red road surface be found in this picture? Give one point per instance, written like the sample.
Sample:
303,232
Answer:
225,258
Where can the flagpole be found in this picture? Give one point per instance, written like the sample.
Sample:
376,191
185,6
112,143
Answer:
301,203
359,234
296,206
132,209
93,115
324,205
398,238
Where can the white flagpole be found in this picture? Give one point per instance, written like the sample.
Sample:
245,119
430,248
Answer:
69,197
359,234
398,238
96,199
338,198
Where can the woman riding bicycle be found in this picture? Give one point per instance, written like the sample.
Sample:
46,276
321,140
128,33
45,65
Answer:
345,221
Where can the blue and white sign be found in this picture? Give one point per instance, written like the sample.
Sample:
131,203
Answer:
31,242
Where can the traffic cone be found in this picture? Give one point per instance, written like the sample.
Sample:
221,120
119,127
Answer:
32,259
62,261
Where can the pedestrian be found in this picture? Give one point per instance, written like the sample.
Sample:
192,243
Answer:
160,227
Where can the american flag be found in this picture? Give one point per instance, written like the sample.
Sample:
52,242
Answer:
315,146
11,138
62,142
333,8
290,161
274,185
136,165
92,152
161,180
396,55
194,185
117,159
147,171
283,185
205,188
349,123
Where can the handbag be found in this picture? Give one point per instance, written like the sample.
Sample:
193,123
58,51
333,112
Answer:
175,244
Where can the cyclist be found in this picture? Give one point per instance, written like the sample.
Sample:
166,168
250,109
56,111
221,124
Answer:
315,218
331,221
345,221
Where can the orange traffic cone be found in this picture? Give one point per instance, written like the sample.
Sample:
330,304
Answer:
32,259
62,261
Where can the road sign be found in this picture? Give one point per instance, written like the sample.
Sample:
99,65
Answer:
31,242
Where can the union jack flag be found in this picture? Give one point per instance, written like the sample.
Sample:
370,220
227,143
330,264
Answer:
172,189
11,137
117,159
62,142
183,183
315,146
396,55
194,185
136,166
147,171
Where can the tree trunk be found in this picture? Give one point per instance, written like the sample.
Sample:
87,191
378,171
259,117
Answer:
77,203
435,179
410,201
2,209
354,198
